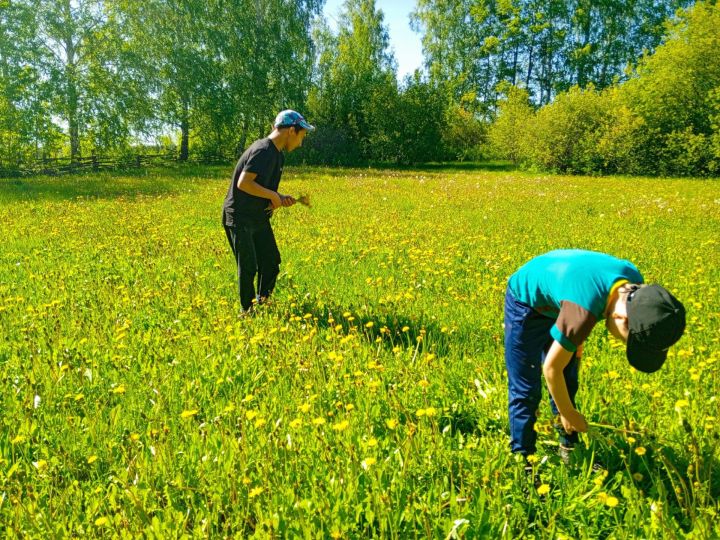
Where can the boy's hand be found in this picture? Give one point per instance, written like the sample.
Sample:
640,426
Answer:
574,422
287,200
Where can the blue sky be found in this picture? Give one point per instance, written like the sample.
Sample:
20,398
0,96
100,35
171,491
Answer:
404,42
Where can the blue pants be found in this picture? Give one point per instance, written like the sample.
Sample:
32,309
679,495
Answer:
527,340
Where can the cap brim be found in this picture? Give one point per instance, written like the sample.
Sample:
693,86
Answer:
644,358
305,125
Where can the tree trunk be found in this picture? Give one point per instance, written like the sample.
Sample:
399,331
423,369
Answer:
581,78
531,51
240,148
72,100
185,132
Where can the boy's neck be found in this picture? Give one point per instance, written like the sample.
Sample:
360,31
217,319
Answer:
279,139
612,302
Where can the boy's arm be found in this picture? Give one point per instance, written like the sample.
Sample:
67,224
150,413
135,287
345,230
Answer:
555,362
247,183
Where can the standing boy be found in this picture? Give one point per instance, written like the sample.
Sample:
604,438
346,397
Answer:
552,304
249,203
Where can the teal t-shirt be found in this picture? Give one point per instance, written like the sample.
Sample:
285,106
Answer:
571,286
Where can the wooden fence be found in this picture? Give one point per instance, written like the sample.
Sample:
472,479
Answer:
58,166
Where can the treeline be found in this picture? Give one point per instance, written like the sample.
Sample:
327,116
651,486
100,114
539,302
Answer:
84,77
627,86
664,120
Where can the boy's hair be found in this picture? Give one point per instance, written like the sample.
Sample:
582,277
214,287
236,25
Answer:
628,288
296,127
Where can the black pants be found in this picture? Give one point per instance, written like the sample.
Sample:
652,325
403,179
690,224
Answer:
256,252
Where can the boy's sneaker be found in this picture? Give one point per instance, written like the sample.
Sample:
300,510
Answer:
565,452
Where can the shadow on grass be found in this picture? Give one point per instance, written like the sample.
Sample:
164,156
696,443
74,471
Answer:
380,168
110,184
687,478
388,329
502,166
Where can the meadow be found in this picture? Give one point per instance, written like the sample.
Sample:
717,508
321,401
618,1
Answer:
369,399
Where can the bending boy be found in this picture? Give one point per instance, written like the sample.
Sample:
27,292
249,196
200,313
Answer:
249,203
552,304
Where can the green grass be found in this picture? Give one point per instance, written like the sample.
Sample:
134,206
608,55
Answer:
370,398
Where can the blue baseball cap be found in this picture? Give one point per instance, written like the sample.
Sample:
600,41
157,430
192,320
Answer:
290,118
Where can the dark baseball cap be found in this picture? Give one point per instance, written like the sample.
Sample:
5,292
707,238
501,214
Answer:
656,320
290,118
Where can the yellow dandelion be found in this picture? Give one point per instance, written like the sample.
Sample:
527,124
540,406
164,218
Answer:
101,521
420,412
372,442
341,426
431,411
391,423
92,459
369,324
40,464
305,407
296,423
681,403
251,414
543,489
260,422
424,383
19,439
611,501
319,421
640,450
134,437
254,492
119,389
188,413
368,462
532,458
336,534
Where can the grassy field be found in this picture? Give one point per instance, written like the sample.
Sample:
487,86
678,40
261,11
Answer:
370,399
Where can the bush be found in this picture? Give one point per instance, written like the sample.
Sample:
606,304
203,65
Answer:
623,140
327,145
686,153
464,135
564,135
507,135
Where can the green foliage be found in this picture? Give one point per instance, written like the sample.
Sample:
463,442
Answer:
662,121
563,135
356,87
544,46
509,133
358,103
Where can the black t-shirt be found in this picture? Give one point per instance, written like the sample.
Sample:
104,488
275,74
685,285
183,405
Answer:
264,159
